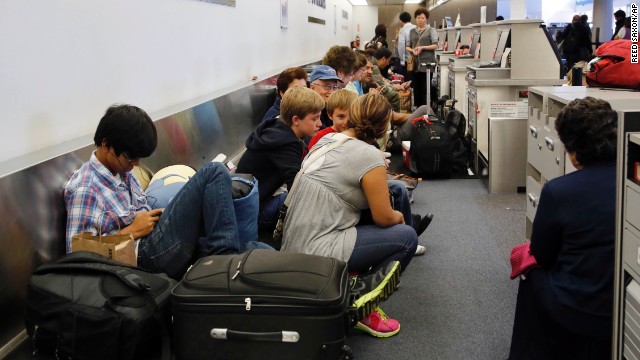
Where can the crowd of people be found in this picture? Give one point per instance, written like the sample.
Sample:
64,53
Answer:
357,216
320,138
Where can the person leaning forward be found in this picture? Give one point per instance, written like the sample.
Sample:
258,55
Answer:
104,196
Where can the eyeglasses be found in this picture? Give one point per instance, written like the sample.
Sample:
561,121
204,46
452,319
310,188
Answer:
129,158
328,87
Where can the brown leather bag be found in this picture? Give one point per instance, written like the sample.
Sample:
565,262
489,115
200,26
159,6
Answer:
410,62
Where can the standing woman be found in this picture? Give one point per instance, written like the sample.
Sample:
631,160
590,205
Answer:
423,43
324,216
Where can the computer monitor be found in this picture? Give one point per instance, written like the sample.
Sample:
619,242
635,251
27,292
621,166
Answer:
475,41
443,40
503,43
456,42
448,21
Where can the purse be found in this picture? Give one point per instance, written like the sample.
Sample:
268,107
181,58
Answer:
410,62
117,247
282,214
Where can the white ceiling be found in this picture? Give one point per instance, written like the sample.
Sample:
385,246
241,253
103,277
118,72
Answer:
386,2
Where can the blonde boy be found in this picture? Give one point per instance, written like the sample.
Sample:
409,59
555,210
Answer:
338,106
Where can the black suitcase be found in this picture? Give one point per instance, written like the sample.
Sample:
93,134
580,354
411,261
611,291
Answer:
263,305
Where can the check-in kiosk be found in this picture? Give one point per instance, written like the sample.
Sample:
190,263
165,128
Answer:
450,43
523,55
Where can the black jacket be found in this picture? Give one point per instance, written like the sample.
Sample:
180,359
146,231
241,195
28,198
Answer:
273,156
573,237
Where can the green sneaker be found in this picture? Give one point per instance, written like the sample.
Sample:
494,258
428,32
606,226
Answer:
372,289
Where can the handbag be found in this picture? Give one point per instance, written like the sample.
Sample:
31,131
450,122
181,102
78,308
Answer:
522,260
282,213
117,247
410,62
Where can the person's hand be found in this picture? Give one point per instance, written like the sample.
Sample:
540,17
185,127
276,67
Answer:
405,85
399,214
375,90
385,158
417,50
143,223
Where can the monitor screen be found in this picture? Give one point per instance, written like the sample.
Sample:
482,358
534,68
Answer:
442,41
503,42
475,40
449,22
456,43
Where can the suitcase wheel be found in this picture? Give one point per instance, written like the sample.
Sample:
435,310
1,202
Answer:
347,354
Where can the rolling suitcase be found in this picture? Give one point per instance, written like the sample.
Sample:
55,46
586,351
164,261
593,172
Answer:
263,305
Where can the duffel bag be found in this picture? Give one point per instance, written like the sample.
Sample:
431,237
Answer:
612,66
86,306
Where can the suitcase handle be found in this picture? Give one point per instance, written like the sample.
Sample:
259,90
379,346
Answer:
276,336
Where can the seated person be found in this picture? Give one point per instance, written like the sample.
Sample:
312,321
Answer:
564,307
275,150
355,85
104,195
324,80
289,78
343,60
338,111
324,216
381,59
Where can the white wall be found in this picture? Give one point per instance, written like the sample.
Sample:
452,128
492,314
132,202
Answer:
65,61
365,18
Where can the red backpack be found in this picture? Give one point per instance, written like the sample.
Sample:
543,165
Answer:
614,69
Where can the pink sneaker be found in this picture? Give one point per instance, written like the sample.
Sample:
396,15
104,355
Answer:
378,324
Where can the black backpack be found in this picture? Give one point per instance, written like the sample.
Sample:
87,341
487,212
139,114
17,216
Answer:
85,306
431,149
456,125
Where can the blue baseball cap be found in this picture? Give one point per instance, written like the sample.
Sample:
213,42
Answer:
323,72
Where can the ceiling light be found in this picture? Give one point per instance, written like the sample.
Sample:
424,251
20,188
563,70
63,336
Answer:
358,2
413,1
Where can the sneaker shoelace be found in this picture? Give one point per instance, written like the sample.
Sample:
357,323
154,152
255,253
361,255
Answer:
382,314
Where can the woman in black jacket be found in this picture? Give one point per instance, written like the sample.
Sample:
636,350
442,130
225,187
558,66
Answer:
564,307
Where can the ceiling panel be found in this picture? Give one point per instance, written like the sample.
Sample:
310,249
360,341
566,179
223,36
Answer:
386,2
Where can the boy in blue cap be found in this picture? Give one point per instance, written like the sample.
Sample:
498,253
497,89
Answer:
324,80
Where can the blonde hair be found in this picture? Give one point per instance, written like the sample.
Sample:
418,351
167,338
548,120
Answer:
299,101
341,99
369,117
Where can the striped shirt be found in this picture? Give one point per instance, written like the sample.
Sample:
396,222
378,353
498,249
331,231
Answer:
96,199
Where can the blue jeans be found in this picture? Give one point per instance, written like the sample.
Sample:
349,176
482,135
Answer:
376,247
269,212
199,221
401,200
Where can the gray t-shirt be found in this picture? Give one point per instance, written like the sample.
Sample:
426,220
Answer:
326,205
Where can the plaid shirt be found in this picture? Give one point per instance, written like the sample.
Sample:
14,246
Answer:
95,199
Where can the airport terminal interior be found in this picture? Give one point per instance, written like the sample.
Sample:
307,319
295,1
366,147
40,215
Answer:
206,72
